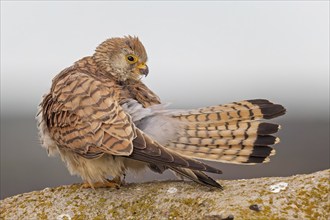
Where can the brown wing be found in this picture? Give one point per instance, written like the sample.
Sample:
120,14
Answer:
140,92
83,115
148,150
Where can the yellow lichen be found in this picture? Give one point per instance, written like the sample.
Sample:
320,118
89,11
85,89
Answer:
42,216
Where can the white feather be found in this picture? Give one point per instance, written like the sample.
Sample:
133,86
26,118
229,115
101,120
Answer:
45,139
156,121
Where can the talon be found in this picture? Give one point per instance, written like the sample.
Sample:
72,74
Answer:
86,186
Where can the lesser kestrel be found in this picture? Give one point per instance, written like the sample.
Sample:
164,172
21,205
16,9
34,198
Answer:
103,121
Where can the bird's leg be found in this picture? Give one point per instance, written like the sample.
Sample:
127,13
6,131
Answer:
117,180
114,183
122,181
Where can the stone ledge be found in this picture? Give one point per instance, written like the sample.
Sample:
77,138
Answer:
304,197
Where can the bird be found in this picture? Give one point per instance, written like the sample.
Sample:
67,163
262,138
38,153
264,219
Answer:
104,121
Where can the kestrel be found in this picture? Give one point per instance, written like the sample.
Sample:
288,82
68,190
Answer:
103,121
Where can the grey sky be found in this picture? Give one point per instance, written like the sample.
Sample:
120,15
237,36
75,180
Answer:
200,53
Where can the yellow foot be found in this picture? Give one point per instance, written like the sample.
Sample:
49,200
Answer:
106,184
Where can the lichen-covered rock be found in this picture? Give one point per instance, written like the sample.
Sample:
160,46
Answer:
299,197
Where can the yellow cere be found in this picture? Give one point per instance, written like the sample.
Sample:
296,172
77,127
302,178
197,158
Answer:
142,66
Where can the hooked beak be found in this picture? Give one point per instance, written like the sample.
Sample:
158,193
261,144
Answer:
143,69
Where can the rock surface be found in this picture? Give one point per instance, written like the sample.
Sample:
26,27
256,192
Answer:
296,197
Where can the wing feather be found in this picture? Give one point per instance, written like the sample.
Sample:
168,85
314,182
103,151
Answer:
149,151
83,115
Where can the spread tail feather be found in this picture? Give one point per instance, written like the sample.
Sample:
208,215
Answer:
236,111
231,133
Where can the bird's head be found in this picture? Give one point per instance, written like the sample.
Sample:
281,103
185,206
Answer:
124,58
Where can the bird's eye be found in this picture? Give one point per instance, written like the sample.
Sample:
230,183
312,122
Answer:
131,59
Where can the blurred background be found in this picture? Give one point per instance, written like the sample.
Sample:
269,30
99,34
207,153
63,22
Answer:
200,53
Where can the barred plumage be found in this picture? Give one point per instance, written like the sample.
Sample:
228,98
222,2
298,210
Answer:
231,133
